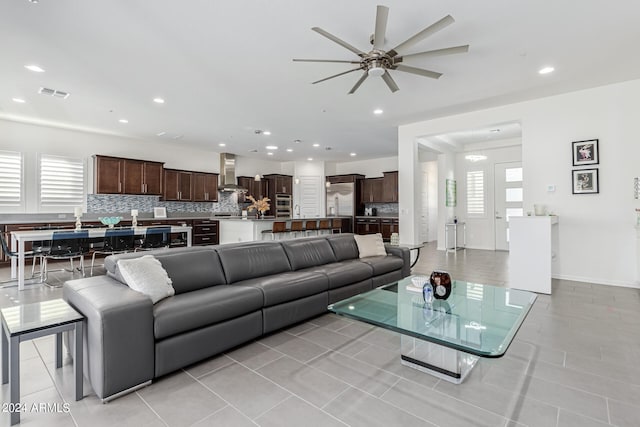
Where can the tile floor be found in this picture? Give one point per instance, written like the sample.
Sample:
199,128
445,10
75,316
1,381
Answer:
574,362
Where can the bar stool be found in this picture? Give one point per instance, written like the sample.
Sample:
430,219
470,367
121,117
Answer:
324,226
115,241
336,225
296,228
67,245
311,226
154,238
278,228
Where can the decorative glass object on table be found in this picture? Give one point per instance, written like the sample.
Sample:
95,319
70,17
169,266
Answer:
110,221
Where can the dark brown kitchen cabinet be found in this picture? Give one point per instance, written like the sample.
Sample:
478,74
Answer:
205,187
390,187
388,226
279,184
205,232
372,190
178,185
115,175
142,177
257,189
367,226
337,179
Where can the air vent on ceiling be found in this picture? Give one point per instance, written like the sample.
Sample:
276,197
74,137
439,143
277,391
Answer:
53,92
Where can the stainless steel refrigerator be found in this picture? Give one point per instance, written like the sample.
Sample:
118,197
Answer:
341,199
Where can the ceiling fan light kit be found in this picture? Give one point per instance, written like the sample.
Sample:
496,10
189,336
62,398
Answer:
378,62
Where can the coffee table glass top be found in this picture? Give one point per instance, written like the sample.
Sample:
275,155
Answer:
477,319
25,318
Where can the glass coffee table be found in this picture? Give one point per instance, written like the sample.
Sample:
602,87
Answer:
444,338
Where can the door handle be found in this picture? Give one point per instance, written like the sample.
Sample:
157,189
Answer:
498,217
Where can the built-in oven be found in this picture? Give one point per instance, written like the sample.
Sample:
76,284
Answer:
283,205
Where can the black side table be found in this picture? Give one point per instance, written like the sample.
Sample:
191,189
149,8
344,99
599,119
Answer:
28,321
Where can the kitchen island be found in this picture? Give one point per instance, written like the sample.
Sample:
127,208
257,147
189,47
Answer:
238,229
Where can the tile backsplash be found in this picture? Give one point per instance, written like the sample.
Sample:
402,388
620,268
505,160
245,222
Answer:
384,209
117,203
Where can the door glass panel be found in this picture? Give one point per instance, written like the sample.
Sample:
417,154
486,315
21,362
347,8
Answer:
514,212
513,174
513,194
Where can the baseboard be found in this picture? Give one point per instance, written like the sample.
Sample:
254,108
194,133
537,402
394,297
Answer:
597,281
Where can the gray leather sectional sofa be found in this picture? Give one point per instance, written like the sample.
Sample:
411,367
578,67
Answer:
224,296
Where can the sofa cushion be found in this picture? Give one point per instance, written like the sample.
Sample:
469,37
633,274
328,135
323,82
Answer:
251,260
191,271
370,245
384,264
344,246
345,272
305,253
146,275
204,307
288,286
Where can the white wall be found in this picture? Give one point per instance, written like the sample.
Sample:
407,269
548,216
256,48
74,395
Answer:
596,231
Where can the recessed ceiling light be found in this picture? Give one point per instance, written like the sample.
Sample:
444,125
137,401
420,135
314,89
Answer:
378,111
18,100
271,147
34,68
352,154
289,150
222,144
316,145
475,157
161,133
494,130
310,158
123,121
270,153
158,100
178,136
266,132
546,70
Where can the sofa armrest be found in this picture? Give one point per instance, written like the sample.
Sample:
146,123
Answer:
119,340
403,253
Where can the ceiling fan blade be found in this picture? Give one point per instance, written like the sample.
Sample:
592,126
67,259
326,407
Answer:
359,82
418,71
338,75
431,29
390,82
437,52
337,40
382,14
326,60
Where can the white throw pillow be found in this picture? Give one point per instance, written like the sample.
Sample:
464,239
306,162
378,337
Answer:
370,245
146,275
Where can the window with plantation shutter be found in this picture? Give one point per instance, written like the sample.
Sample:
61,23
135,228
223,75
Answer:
10,179
475,194
61,182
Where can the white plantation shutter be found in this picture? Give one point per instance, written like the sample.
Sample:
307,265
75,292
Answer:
61,181
10,179
475,194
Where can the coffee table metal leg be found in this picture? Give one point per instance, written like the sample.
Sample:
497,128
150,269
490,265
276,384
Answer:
59,350
14,379
5,358
77,360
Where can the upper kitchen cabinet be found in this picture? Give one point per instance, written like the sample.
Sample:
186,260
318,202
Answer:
390,187
372,190
339,179
279,184
205,187
178,185
254,188
114,175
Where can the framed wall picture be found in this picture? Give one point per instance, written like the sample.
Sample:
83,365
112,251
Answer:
159,212
585,152
585,181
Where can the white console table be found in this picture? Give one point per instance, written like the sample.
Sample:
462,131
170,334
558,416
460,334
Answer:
531,252
454,226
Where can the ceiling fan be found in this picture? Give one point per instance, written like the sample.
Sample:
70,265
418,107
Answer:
377,62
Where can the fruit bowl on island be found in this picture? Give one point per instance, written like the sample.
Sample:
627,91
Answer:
110,220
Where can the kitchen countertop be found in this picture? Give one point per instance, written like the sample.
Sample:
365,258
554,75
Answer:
377,216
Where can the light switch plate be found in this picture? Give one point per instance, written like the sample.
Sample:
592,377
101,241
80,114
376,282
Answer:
551,188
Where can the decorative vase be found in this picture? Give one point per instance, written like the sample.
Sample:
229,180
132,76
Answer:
441,283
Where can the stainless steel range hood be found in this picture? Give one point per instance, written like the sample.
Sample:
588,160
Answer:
228,174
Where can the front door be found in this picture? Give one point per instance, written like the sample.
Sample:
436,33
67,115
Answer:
508,200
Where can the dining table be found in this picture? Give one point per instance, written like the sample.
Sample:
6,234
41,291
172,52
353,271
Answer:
21,237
